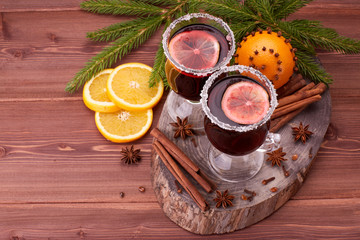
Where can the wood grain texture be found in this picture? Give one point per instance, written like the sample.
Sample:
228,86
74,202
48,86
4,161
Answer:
146,221
52,158
54,51
39,5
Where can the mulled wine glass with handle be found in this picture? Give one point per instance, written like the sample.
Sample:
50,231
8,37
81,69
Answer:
238,102
195,45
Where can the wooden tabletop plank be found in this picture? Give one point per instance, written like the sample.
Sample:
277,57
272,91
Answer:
55,150
39,5
53,51
146,221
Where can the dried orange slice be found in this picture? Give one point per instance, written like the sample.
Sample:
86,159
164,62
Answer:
195,49
245,102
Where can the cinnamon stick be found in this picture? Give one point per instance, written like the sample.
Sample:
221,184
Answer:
199,177
321,86
174,150
307,87
299,95
293,106
290,84
292,88
281,121
180,177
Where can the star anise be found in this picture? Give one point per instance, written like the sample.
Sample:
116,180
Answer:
130,156
301,132
223,199
276,157
182,128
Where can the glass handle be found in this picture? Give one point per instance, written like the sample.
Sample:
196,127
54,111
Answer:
272,142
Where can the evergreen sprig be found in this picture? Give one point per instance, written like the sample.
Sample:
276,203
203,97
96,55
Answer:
243,16
120,7
159,64
114,31
284,8
115,51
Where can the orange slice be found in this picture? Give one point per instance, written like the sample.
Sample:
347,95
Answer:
95,93
245,102
128,87
124,126
195,49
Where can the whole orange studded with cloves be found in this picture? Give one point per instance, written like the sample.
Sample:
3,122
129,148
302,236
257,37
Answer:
270,53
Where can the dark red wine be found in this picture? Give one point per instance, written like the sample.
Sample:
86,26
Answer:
228,141
187,85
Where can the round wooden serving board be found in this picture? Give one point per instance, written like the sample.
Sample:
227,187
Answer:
182,210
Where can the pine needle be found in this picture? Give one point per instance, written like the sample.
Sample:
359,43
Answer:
120,7
311,69
161,2
159,64
284,8
228,9
242,28
114,31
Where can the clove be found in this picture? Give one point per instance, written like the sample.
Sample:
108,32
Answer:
266,181
250,192
286,173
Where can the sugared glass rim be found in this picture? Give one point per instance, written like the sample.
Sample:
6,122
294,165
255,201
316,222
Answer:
199,72
238,68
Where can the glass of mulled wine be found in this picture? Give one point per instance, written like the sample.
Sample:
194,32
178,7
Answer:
195,45
238,102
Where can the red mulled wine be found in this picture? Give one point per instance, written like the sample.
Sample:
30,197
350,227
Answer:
237,101
196,46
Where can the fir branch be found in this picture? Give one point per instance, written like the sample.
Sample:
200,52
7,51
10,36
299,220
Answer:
114,31
159,64
311,69
158,68
329,39
284,8
312,34
121,7
114,52
192,7
262,8
228,9
161,2
240,29
292,31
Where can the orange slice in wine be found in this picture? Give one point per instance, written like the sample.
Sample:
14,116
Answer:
195,49
245,102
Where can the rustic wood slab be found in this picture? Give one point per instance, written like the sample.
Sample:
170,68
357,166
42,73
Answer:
181,209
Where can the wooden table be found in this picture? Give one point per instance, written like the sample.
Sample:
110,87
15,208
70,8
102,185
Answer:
60,179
